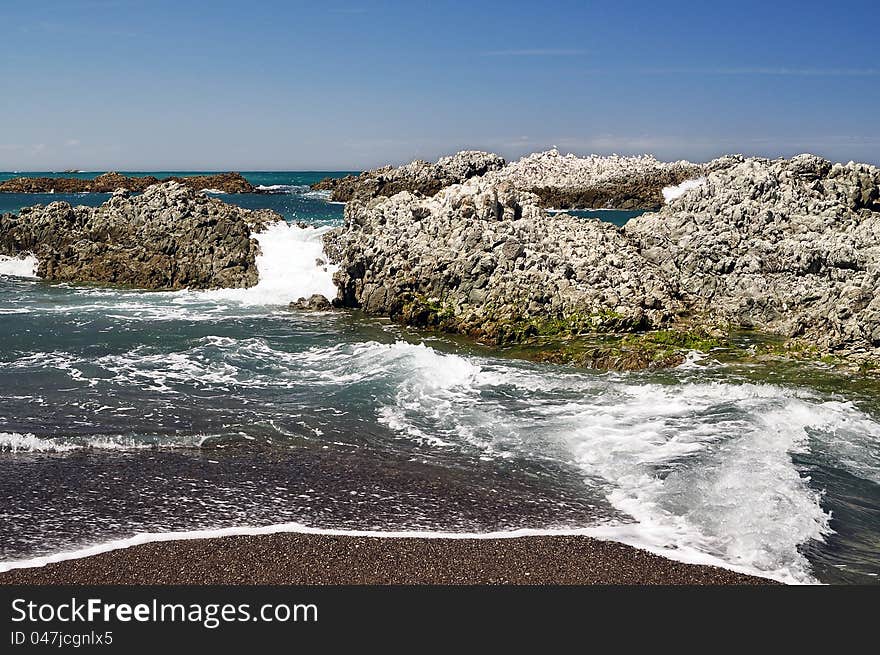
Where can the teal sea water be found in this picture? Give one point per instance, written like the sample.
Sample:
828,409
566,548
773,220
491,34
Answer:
124,412
288,193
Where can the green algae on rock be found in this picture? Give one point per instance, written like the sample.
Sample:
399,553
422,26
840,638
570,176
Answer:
784,247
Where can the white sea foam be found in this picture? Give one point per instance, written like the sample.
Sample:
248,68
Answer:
283,188
161,372
13,442
288,267
627,534
18,266
702,468
705,471
710,467
298,189
672,192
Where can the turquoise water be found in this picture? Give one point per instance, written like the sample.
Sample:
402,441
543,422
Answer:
125,411
290,195
266,178
618,217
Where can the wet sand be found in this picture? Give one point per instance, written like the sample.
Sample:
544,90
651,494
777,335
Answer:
305,559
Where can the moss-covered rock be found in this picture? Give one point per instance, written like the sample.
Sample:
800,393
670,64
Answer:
627,352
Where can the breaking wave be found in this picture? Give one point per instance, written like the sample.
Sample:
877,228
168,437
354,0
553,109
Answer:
291,264
18,266
670,193
12,442
706,468
702,470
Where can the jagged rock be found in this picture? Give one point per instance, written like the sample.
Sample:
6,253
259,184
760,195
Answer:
330,183
785,246
415,177
315,303
790,247
485,259
571,182
110,182
169,237
559,181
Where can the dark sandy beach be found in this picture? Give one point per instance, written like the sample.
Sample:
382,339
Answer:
299,559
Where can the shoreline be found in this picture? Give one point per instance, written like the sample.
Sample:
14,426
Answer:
313,557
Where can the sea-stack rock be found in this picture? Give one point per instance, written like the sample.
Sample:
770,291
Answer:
314,303
169,237
559,181
110,182
613,182
225,182
787,247
416,177
485,259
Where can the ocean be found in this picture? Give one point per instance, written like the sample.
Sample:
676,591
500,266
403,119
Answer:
287,193
126,412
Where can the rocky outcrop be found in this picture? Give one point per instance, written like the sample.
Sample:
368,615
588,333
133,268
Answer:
559,181
331,183
110,182
314,303
225,182
790,247
416,177
485,259
169,237
613,182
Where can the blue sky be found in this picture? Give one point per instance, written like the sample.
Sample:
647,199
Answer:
221,85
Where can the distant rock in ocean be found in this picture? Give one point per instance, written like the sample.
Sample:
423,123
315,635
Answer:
316,303
169,237
559,181
596,182
110,182
788,247
416,177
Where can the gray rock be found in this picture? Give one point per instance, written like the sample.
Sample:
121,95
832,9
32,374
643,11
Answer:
568,181
786,246
170,237
559,181
790,247
316,303
485,257
416,177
